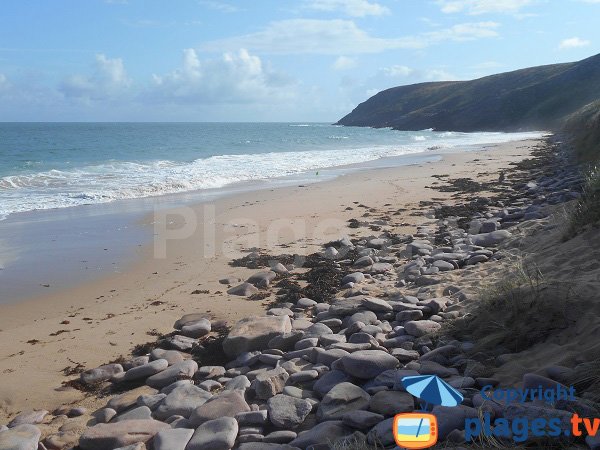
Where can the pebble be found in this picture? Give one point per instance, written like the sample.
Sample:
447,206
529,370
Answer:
341,399
329,431
120,434
28,418
243,290
184,369
420,328
226,404
139,413
367,364
99,374
182,401
390,403
361,420
270,383
172,439
147,370
196,329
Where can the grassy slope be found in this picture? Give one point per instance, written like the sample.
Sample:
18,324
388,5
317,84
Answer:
584,126
534,98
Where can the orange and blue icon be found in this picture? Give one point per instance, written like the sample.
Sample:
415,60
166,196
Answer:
415,430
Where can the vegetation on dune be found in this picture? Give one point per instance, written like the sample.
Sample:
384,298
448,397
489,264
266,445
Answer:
586,211
584,127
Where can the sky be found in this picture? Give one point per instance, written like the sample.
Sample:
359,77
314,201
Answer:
264,60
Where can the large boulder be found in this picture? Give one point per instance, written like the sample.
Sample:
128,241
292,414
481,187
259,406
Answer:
182,401
367,364
217,434
108,436
341,399
254,333
21,437
288,412
227,404
322,433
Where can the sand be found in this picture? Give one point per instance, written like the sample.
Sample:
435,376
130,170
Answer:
98,321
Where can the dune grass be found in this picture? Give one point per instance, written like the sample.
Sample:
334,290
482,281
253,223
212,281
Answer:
586,212
514,313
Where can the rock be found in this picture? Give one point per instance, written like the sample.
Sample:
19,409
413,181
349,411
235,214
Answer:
262,279
196,329
452,418
239,383
477,259
229,280
216,434
184,369
269,383
443,266
279,268
490,239
172,439
134,362
367,364
420,328
104,415
188,319
114,435
317,330
180,342
28,418
61,440
243,290
324,384
210,372
305,303
288,412
380,267
254,333
390,403
182,401
329,431
286,342
280,437
252,418
363,262
226,404
139,413
303,376
129,398
147,370
593,442
341,399
99,374
382,434
151,401
409,314
356,277
20,437
280,312
172,356
361,420
434,368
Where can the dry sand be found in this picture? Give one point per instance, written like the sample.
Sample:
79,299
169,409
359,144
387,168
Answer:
99,321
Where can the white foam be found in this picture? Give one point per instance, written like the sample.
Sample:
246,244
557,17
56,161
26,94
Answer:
115,180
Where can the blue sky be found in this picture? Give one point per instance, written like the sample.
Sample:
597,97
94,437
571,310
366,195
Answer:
264,60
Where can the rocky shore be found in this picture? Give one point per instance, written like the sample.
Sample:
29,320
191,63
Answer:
322,368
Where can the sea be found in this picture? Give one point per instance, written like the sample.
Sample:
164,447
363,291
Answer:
73,195
61,165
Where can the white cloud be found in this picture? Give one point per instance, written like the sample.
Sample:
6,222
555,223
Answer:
344,63
354,8
439,75
396,71
219,6
108,79
573,42
327,37
475,7
232,79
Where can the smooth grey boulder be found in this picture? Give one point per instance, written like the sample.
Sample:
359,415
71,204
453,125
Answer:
20,437
182,401
216,434
367,364
382,433
254,333
28,418
147,370
361,420
139,413
99,374
288,412
327,381
243,290
420,328
226,404
490,239
172,356
341,399
184,369
128,399
269,383
172,439
390,403
196,329
107,436
324,432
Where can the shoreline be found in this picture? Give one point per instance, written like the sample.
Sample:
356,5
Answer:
123,308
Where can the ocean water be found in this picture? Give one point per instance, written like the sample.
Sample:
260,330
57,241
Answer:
57,165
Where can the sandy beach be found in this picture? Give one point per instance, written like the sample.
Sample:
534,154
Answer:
98,321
